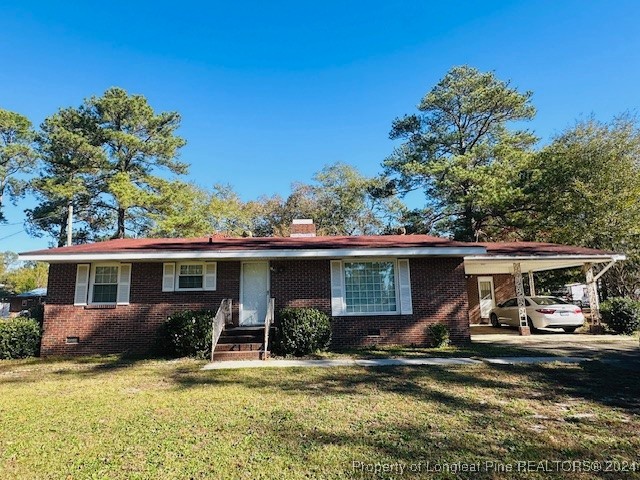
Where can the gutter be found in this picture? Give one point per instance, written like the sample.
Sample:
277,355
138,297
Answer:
488,258
255,254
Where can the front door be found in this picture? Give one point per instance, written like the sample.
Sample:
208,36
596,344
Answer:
254,291
487,299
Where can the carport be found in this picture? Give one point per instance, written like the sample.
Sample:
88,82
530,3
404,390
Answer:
519,258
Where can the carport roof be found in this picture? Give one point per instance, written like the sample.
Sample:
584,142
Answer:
533,257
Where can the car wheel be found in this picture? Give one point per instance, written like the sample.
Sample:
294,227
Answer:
494,320
532,327
570,329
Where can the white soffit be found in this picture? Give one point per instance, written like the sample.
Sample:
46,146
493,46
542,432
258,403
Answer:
486,265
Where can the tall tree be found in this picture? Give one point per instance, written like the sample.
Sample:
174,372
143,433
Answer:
348,205
71,175
459,150
16,153
27,277
341,201
228,214
585,190
105,159
181,210
137,143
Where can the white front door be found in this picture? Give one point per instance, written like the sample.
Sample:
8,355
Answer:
487,298
254,291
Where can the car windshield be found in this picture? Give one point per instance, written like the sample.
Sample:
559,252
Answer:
549,301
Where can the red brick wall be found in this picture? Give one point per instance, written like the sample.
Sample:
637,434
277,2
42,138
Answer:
438,294
126,328
504,288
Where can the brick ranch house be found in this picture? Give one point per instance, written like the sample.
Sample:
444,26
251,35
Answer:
112,296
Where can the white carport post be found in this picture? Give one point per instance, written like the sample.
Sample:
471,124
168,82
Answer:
592,292
522,307
532,285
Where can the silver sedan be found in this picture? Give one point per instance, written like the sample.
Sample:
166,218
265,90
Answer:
542,312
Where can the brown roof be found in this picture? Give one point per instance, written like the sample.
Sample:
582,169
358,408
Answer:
231,244
254,243
537,249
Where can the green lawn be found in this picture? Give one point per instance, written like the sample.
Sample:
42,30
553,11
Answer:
473,350
108,418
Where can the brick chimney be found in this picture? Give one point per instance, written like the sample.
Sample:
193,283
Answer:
303,227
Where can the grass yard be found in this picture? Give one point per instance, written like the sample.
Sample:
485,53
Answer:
472,350
109,418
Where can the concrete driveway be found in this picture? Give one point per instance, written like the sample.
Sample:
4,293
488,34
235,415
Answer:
549,341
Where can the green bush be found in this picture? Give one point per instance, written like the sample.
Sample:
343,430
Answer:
188,333
37,313
621,314
438,335
301,331
19,338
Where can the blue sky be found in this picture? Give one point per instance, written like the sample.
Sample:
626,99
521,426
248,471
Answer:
270,92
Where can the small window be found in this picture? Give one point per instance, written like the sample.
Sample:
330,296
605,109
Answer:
105,284
190,277
25,303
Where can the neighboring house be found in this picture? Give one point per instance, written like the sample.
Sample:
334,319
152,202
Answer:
113,296
26,300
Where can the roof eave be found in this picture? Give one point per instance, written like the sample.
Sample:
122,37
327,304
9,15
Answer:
253,254
602,257
487,265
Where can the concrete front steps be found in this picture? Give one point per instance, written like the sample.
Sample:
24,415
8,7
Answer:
241,343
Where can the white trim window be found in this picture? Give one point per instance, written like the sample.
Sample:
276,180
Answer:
102,284
370,287
189,276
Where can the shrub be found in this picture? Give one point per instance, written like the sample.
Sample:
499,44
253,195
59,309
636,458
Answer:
188,333
19,338
37,313
621,314
438,335
301,331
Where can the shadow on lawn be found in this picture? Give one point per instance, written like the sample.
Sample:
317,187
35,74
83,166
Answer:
473,349
24,371
604,383
593,381
453,425
407,381
415,443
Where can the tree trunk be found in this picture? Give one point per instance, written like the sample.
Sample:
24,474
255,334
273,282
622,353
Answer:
62,237
120,231
468,233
